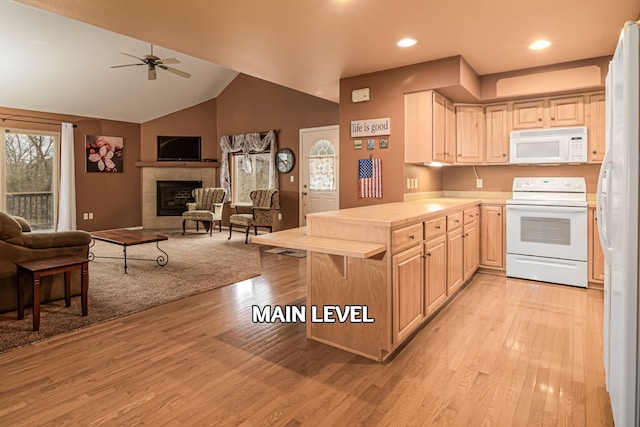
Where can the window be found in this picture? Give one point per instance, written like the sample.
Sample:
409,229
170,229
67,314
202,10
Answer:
322,166
29,161
242,183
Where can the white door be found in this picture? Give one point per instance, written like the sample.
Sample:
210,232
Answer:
319,184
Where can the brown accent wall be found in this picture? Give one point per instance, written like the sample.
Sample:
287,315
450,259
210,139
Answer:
199,120
249,104
500,178
387,89
114,198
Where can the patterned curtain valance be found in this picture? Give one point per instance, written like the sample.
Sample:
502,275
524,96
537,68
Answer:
247,143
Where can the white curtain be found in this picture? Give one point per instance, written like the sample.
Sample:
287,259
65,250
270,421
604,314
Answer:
247,143
67,193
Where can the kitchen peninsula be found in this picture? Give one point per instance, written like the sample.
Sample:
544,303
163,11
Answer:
402,261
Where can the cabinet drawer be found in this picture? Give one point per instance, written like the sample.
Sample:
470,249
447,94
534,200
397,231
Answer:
406,237
454,221
434,227
471,215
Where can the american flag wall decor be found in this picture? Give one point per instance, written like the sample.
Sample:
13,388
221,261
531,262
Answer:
370,178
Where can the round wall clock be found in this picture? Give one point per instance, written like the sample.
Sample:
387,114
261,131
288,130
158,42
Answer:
284,160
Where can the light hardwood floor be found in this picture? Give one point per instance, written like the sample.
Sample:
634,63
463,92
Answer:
503,352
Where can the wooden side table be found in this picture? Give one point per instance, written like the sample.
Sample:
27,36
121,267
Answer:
47,267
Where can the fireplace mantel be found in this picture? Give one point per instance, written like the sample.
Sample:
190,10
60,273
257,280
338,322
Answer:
144,164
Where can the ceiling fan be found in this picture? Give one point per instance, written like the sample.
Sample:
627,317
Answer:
152,62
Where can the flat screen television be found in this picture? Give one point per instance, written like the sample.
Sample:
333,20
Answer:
179,148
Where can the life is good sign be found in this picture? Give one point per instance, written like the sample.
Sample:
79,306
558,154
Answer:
371,127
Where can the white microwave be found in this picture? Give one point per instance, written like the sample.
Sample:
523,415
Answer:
554,145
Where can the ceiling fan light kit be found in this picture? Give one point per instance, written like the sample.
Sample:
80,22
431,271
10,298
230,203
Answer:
152,62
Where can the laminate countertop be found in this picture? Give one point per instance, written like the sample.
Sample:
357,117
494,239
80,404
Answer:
398,213
387,215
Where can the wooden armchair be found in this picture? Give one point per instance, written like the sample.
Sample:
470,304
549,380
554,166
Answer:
265,204
207,208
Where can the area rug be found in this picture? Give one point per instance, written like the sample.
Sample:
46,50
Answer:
197,263
288,251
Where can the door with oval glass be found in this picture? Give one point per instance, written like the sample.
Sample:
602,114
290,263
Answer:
319,183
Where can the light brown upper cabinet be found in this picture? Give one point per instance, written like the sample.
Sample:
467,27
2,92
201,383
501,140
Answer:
596,122
549,112
497,133
426,136
450,132
469,134
566,111
528,114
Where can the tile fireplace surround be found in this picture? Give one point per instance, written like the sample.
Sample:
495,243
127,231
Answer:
208,176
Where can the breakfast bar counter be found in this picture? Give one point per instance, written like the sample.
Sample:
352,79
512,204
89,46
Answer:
401,262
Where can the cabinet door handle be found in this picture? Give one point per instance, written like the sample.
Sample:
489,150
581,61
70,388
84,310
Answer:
553,118
437,227
457,221
504,155
426,255
539,119
595,151
466,235
411,236
499,214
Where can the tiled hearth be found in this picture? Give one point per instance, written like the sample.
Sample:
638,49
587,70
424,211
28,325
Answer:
150,175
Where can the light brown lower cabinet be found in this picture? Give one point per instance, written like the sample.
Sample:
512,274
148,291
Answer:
471,249
492,236
408,288
435,273
455,260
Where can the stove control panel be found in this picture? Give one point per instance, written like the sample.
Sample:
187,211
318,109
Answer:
550,185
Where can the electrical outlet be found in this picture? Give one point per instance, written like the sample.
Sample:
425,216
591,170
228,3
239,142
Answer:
415,182
292,179
479,183
408,183
85,215
90,215
280,216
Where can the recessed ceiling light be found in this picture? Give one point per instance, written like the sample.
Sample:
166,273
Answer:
407,42
539,44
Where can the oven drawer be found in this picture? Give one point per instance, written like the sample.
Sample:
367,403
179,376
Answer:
564,272
454,221
406,237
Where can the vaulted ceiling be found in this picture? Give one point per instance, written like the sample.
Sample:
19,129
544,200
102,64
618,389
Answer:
305,45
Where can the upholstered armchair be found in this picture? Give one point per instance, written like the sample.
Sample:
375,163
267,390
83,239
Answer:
265,204
207,208
17,244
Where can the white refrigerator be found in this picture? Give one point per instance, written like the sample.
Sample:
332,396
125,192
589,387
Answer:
617,210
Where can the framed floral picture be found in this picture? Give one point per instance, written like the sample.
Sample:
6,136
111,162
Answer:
104,153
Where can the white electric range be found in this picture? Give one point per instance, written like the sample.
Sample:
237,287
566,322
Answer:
547,230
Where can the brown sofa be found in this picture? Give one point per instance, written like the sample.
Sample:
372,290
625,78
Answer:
18,244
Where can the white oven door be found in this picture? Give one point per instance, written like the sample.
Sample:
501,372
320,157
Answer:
547,231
